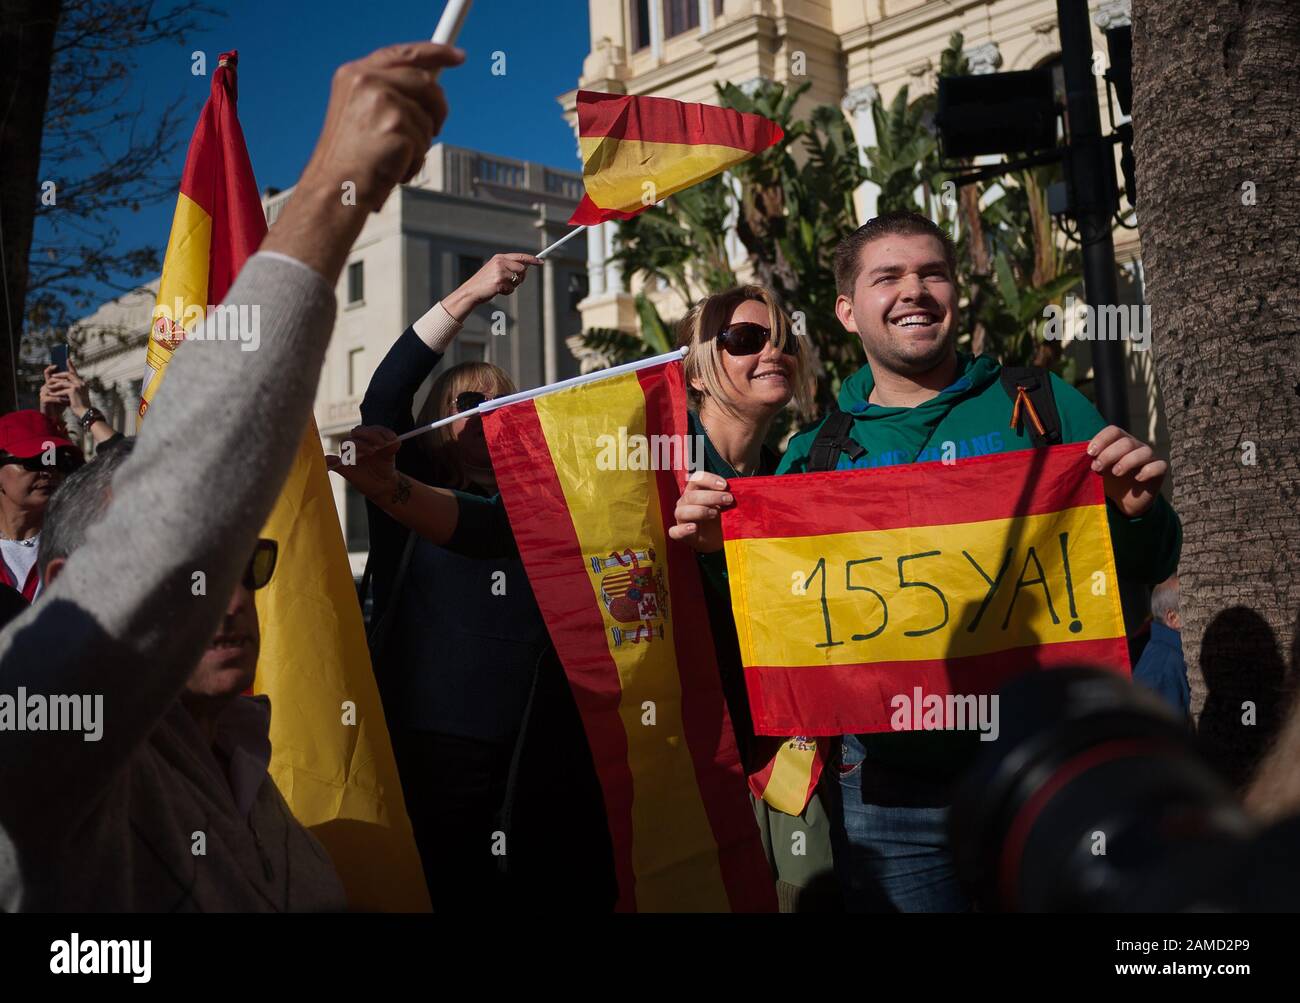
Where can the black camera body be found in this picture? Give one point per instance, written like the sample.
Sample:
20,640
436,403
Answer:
1095,799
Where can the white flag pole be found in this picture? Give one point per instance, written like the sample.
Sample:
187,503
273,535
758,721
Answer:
599,374
449,25
567,237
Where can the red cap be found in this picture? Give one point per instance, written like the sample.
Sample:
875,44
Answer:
28,433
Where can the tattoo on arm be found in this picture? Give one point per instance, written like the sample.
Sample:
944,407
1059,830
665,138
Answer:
402,492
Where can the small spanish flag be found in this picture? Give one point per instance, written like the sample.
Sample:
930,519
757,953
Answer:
790,771
625,608
330,751
636,151
917,587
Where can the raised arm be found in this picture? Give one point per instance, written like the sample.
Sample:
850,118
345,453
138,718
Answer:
465,523
125,620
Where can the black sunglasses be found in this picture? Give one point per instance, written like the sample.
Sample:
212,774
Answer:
261,565
65,462
469,400
749,339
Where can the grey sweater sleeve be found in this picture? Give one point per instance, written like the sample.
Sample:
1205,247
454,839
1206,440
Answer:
123,621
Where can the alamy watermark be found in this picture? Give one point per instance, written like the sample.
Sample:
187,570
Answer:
1079,321
240,322
945,712
75,956
53,712
635,451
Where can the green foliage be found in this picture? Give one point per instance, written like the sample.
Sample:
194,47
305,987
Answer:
683,241
905,153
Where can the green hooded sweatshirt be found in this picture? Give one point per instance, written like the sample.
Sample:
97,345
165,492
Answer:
974,414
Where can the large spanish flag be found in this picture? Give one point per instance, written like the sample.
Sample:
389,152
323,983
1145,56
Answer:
636,151
625,609
853,589
331,756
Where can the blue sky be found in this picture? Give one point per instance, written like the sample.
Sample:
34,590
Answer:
288,50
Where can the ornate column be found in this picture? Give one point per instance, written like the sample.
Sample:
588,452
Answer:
857,106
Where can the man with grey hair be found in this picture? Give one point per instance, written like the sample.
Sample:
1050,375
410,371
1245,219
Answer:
151,816
1161,666
294,870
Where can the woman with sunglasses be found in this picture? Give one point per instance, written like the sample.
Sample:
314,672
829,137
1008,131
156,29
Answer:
743,366
460,648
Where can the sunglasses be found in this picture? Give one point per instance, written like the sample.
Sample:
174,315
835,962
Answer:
261,565
749,339
469,400
64,462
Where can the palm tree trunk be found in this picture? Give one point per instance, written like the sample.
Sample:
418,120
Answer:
1217,141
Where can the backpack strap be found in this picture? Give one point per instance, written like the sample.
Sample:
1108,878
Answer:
834,437
1033,409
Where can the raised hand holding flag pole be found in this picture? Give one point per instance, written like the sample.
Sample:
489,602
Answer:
331,755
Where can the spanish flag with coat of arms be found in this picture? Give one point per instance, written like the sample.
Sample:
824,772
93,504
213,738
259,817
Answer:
626,611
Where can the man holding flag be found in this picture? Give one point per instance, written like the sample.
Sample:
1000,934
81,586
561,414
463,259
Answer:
918,399
144,816
331,755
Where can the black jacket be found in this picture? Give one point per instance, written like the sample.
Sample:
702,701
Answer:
481,612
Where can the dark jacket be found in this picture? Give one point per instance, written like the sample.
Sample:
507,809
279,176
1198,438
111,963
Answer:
1163,669
465,637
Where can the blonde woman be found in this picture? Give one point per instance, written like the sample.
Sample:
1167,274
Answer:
745,365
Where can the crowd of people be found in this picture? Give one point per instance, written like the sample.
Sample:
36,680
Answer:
98,559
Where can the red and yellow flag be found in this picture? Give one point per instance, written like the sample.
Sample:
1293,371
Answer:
790,771
636,151
853,589
625,609
331,756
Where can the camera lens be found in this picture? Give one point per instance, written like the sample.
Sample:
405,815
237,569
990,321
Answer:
1093,798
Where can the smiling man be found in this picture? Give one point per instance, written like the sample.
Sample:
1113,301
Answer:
919,399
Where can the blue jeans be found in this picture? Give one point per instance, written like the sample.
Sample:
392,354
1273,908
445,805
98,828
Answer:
891,858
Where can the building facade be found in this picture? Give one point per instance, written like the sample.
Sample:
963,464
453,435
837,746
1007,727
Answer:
850,52
429,236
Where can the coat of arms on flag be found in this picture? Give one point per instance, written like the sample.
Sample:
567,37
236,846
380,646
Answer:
633,594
